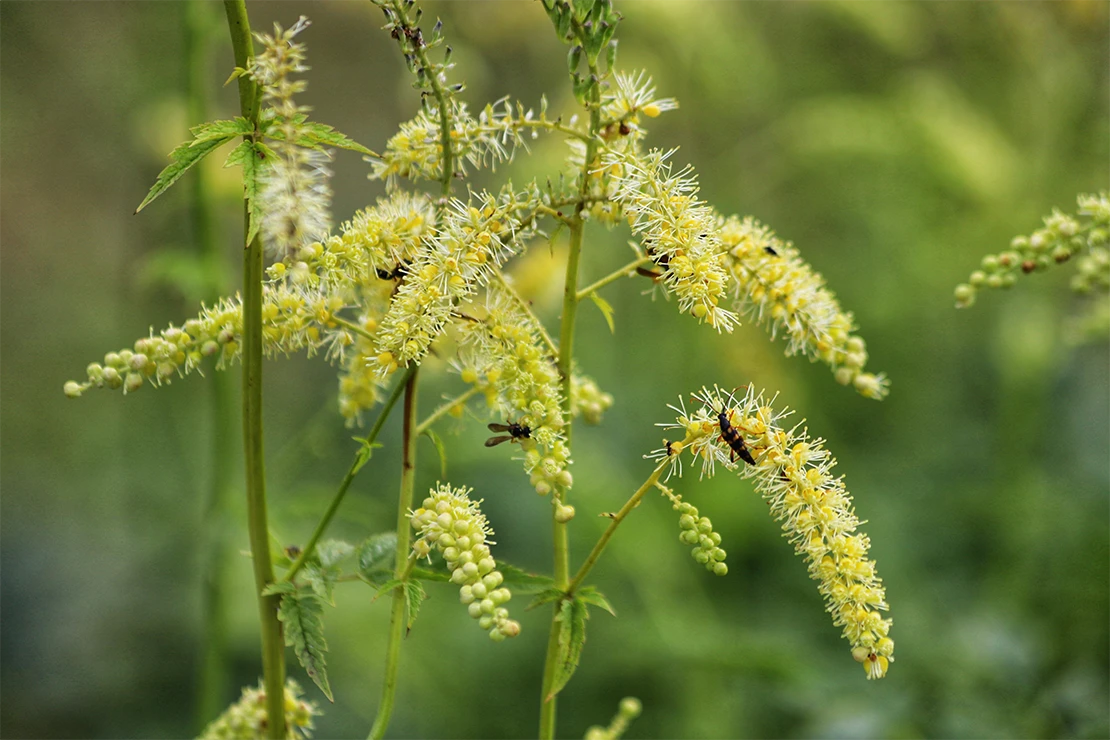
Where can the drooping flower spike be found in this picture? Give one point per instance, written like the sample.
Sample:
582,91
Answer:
793,474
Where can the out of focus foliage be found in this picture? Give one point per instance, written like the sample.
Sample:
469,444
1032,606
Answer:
894,143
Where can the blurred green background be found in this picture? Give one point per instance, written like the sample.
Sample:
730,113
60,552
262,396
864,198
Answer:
895,143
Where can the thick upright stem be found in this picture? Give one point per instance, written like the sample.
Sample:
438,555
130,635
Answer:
310,547
273,651
566,358
401,569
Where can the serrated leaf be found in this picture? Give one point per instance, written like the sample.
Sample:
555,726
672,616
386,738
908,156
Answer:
333,552
606,310
302,615
365,452
521,581
252,167
439,449
279,587
236,156
545,597
440,576
182,158
375,556
414,597
572,636
318,135
591,595
223,129
386,587
321,580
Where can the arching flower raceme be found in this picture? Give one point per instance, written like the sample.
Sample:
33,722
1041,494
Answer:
450,522
677,231
778,289
468,244
793,473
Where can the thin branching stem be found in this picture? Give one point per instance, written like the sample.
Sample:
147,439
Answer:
353,327
526,307
599,547
627,271
356,465
402,569
273,648
444,409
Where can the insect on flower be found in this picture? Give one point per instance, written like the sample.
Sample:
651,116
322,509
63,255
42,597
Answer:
396,273
731,436
515,432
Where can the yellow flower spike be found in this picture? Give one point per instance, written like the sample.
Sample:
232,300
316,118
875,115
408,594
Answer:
793,473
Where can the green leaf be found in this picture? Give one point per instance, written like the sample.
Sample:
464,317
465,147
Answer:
252,167
440,449
333,552
606,310
375,556
591,595
388,586
242,151
279,587
521,581
318,135
545,597
182,158
301,613
365,452
414,597
440,576
572,636
322,580
223,130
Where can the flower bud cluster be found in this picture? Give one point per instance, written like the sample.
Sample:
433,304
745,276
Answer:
629,709
698,531
294,196
246,718
777,288
504,352
450,522
587,399
293,320
677,231
1062,237
793,473
469,243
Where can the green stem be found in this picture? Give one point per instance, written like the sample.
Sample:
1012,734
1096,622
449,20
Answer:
273,649
353,327
421,52
214,672
627,270
401,570
359,461
446,408
566,355
629,505
524,306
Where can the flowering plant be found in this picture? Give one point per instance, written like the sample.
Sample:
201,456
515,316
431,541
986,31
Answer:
418,273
